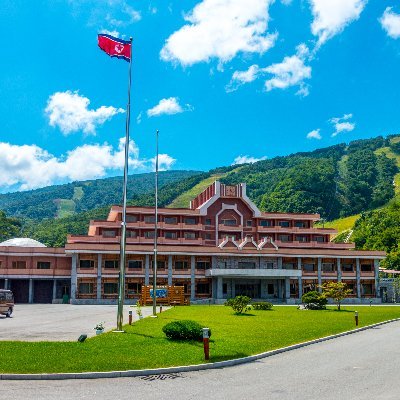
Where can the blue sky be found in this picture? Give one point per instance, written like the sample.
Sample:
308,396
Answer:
223,80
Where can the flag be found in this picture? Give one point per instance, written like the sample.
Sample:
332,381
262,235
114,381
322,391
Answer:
115,47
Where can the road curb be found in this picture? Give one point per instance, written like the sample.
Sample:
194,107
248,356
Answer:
187,368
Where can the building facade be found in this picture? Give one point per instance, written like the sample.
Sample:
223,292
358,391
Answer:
219,247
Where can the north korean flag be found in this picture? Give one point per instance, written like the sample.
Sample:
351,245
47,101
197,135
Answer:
115,47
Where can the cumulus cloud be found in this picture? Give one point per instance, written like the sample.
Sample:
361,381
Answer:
165,162
241,77
220,29
70,112
246,160
342,124
390,22
29,166
168,106
314,134
292,71
332,16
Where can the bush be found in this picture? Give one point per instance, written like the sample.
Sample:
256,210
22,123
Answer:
183,330
239,304
262,305
314,300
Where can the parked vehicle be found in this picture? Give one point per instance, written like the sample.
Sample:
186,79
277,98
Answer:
6,302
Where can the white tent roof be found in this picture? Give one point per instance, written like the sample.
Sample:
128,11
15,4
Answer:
22,242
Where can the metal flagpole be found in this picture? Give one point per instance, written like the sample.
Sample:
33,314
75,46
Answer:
121,282
155,236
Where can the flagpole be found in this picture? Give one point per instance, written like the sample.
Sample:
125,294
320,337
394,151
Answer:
155,236
121,282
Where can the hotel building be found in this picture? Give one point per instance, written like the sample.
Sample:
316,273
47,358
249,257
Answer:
219,247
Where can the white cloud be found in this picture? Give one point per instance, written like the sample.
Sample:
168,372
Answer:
314,134
168,106
112,33
292,71
332,16
165,162
241,77
29,166
69,111
246,159
220,29
341,124
390,22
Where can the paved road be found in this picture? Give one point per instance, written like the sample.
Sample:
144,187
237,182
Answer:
59,322
365,365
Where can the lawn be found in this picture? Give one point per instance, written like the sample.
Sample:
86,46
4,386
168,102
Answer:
145,346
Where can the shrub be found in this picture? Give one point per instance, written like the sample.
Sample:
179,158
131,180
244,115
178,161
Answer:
314,300
262,305
239,304
184,330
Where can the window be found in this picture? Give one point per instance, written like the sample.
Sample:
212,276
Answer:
203,288
189,235
249,222
43,265
135,264
160,264
366,267
366,288
203,265
224,288
270,265
309,267
190,221
110,288
328,267
246,265
229,222
181,265
86,264
171,220
265,222
208,236
131,234
111,264
131,218
284,238
319,239
301,238
208,221
270,288
149,219
149,234
300,224
284,224
288,266
18,264
86,288
109,234
347,268
170,235
134,288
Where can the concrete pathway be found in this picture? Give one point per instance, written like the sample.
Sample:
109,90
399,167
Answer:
60,322
361,366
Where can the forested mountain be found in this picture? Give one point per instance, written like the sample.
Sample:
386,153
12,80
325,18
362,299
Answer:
340,180
9,227
66,200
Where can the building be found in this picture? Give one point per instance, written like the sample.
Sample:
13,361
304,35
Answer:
219,247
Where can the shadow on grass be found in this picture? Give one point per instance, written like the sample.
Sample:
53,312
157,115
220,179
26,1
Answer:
244,315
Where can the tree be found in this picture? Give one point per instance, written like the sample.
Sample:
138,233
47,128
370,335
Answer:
314,300
240,304
337,291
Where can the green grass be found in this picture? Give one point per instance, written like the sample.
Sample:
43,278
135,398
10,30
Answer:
145,346
66,208
78,193
183,200
341,224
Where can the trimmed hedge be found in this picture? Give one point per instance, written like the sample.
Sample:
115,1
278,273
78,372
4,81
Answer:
184,330
262,305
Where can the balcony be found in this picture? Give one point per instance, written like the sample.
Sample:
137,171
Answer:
230,228
253,273
316,245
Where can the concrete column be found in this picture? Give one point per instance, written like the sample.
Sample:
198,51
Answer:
6,283
300,280
214,288
147,269
263,292
339,269
319,274
376,269
99,271
219,288
54,289
169,270
30,296
192,278
358,278
74,279
213,262
233,289
280,261
287,288
278,282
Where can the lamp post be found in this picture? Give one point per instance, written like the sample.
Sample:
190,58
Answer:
155,236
